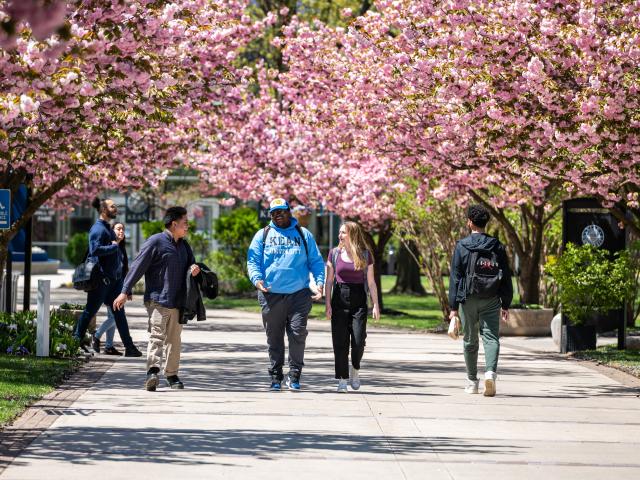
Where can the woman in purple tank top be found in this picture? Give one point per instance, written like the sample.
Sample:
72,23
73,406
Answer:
349,272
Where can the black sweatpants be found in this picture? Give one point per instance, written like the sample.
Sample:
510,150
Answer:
348,325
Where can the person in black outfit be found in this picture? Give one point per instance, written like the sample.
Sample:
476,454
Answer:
109,325
349,272
104,246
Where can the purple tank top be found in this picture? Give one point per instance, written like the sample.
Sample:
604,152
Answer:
345,272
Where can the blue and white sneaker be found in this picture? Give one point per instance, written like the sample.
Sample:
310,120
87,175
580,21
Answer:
276,386
293,383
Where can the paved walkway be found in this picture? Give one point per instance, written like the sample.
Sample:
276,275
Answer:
553,418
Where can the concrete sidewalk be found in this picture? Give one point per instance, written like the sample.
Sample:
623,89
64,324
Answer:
552,418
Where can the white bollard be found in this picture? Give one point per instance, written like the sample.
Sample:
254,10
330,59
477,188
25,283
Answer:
44,300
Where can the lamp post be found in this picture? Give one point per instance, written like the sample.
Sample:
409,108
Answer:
28,248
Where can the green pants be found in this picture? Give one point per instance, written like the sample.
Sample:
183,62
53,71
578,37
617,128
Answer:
481,315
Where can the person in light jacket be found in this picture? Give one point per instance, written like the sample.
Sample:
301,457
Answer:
280,258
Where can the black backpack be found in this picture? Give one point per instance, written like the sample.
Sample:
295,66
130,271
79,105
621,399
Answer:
483,274
88,275
265,233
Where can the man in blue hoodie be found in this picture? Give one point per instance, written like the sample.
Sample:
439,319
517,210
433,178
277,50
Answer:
480,287
280,259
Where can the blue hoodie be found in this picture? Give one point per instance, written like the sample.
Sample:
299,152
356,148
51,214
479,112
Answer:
281,261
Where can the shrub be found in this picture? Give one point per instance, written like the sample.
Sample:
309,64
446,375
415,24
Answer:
235,231
151,228
199,242
77,247
72,306
232,278
591,280
18,334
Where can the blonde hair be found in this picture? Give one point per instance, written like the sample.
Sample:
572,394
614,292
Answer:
358,246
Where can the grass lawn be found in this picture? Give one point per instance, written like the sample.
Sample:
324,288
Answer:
23,380
625,360
415,313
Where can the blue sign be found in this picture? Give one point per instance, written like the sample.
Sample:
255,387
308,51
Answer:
5,209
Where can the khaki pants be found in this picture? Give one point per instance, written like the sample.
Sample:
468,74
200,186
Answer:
164,329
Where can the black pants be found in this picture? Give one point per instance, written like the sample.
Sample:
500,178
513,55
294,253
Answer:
105,294
348,325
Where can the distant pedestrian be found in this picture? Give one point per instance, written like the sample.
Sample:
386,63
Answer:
480,288
105,247
349,273
164,260
279,261
109,325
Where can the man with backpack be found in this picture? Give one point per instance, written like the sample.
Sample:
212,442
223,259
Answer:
480,288
280,258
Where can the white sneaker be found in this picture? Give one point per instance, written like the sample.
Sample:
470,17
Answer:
342,385
472,386
490,384
354,377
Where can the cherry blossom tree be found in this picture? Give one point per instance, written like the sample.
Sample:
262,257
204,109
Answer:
120,102
43,18
513,103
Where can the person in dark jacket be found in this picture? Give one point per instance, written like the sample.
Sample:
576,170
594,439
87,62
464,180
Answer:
104,246
164,260
480,307
109,325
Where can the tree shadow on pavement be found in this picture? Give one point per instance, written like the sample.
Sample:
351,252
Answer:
193,447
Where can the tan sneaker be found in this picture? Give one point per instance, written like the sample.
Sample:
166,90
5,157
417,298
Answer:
490,384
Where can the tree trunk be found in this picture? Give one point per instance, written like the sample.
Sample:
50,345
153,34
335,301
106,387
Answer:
364,7
408,279
431,265
4,253
384,235
529,280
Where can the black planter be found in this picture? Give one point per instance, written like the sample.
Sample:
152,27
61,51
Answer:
575,338
609,321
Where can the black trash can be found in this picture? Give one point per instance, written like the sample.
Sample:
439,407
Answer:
578,337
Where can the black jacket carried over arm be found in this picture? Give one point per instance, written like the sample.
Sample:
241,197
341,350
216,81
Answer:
205,283
457,280
193,305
